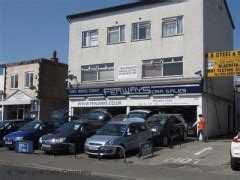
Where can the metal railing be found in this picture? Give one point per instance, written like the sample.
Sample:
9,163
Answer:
71,148
111,146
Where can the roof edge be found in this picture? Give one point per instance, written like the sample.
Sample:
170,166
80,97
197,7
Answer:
229,14
111,9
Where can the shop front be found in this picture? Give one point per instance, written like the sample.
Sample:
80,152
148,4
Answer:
17,104
185,99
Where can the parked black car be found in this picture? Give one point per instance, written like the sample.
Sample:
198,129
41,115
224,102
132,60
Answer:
100,116
61,116
140,113
75,132
30,116
7,127
166,127
31,131
192,131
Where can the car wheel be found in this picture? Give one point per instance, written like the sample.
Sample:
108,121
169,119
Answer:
234,165
73,149
165,141
184,136
120,153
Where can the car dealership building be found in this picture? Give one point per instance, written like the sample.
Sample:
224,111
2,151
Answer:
152,56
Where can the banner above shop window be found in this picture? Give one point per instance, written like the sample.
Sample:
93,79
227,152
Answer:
137,90
225,63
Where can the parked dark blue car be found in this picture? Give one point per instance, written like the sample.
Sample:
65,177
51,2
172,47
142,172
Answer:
7,127
31,131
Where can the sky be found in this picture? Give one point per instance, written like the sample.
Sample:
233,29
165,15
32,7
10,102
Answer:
31,29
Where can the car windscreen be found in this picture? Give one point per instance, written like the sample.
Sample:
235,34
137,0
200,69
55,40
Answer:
96,115
71,126
57,115
142,115
30,126
113,130
3,125
83,117
156,121
30,115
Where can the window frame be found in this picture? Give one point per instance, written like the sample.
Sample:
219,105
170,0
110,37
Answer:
160,61
119,36
27,73
84,38
97,68
138,23
176,19
14,83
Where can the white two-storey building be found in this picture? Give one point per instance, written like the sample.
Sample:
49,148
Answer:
152,55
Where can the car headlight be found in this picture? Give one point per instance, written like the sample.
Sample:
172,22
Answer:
19,138
58,140
40,140
109,142
4,138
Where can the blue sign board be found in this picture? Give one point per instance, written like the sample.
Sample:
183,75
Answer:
24,147
136,90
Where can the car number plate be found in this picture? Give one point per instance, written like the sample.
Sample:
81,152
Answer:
8,142
46,145
92,148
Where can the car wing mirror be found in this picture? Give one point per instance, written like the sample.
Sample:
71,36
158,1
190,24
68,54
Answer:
129,133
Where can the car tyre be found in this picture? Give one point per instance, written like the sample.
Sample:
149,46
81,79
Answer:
120,153
165,141
234,166
76,147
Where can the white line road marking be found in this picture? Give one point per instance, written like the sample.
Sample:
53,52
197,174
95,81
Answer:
183,160
203,150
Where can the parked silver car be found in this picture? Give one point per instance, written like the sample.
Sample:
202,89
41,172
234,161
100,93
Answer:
128,134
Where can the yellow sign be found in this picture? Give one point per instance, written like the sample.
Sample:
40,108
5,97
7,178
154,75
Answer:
226,63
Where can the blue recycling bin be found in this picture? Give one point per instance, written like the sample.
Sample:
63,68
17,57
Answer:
24,147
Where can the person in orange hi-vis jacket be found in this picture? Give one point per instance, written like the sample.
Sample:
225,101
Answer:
201,122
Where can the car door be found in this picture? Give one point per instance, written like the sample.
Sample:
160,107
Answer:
131,139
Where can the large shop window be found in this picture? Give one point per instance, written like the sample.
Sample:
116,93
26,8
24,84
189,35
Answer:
163,67
172,26
141,31
14,81
29,79
98,72
116,34
90,38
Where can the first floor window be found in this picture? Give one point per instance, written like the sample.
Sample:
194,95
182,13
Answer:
90,38
29,79
14,81
141,31
162,67
116,34
97,72
172,26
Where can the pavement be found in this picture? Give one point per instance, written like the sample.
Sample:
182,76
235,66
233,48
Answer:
193,158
